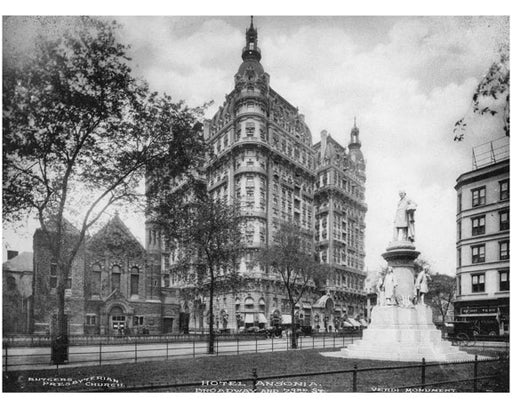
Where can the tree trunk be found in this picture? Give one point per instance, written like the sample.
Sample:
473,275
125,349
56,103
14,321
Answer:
294,330
211,336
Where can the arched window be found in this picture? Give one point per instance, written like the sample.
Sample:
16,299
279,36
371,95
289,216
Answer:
116,278
96,280
249,303
134,282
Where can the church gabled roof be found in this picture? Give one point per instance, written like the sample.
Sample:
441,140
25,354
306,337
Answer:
113,227
20,263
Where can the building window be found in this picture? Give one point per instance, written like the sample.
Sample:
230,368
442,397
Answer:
138,320
504,224
504,280
134,281
478,253
90,320
116,278
478,196
96,280
504,250
504,190
459,231
53,276
459,202
478,225
459,288
478,282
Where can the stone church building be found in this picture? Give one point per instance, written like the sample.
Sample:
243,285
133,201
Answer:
113,289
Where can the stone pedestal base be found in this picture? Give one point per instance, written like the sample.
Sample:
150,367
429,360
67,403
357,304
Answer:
402,334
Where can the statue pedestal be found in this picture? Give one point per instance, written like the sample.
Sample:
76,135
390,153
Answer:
402,334
405,332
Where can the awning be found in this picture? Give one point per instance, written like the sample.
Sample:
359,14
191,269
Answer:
262,302
337,309
320,303
363,322
286,319
354,322
306,305
478,315
347,324
262,318
249,318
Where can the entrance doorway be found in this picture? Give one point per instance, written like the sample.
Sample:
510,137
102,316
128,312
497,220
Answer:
117,321
168,322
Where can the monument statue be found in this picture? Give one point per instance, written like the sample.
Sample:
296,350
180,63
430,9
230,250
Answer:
381,300
421,285
404,219
389,286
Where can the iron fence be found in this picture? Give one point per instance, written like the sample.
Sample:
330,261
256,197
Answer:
352,378
103,354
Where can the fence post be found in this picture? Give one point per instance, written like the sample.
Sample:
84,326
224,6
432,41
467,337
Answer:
254,379
354,379
100,353
423,367
313,337
324,340
193,347
135,350
167,348
256,338
6,347
475,373
272,340
237,345
217,345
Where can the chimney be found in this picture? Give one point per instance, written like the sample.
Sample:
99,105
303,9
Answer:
12,254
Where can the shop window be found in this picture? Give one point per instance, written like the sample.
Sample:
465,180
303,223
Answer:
90,320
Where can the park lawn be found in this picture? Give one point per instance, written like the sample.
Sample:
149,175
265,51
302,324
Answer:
216,368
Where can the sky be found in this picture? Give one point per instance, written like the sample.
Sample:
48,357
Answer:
406,79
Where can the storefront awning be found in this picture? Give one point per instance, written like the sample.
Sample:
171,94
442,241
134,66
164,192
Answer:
478,315
306,305
320,303
354,322
347,324
249,318
249,302
262,318
286,319
363,323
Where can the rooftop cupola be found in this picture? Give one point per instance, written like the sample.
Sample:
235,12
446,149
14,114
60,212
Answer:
354,137
251,50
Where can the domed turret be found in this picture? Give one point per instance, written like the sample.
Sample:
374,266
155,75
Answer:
251,54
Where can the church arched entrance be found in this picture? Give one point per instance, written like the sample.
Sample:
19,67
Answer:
117,320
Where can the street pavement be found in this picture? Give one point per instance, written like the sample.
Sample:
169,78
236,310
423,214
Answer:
30,358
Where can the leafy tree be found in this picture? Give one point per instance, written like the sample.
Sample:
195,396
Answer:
291,256
78,131
491,96
441,293
208,240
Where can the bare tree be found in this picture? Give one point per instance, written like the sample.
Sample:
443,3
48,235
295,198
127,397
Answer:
291,255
